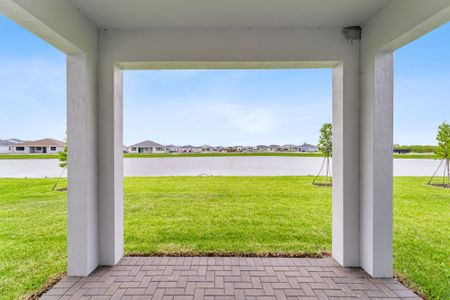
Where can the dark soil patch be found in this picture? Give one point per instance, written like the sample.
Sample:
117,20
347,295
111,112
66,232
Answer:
322,184
51,283
230,254
445,186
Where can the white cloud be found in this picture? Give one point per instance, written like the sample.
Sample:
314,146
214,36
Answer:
32,97
250,119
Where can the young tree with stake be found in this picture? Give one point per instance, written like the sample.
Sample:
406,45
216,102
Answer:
326,147
62,156
443,152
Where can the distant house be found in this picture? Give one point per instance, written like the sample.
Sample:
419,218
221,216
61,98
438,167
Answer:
186,149
274,148
262,148
291,148
172,148
147,147
248,149
6,145
197,149
221,149
208,148
43,146
308,148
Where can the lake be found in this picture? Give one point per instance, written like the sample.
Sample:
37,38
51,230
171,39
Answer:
216,166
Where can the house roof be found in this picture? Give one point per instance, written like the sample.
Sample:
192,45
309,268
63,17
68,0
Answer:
146,144
16,141
10,142
305,145
42,143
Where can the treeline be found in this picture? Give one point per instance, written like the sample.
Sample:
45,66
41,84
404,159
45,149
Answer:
417,148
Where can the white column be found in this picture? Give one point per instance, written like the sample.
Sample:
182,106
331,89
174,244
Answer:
345,207
376,163
82,213
110,154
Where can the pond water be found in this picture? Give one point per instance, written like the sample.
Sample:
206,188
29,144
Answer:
218,166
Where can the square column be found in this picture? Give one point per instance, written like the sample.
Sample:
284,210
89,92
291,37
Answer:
345,206
376,163
82,210
110,156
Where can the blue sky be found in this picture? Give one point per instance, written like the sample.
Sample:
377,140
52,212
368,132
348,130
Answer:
218,107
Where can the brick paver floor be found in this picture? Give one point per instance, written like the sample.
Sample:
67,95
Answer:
227,278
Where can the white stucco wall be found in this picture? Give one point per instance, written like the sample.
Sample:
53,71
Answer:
247,48
63,26
400,22
5,149
362,112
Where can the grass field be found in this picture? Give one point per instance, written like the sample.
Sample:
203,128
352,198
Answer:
207,215
28,156
171,155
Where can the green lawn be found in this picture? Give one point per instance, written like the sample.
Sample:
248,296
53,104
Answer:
169,155
205,215
28,156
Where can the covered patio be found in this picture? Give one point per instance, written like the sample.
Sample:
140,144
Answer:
353,37
228,278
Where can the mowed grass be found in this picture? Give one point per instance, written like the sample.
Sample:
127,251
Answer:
422,236
172,155
227,215
28,156
219,215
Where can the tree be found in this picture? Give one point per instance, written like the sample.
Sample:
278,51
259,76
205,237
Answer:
326,147
62,156
443,152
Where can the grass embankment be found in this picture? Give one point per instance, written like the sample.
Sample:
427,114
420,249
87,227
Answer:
218,215
292,154
172,155
213,154
28,156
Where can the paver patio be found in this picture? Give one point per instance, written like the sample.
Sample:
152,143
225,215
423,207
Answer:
227,278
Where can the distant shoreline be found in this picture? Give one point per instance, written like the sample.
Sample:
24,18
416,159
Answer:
175,155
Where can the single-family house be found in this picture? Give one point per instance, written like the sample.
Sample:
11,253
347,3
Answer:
197,149
262,148
208,148
308,148
249,149
4,146
147,147
186,149
274,148
290,148
172,148
39,147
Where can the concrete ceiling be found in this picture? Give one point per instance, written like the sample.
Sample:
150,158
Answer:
132,14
